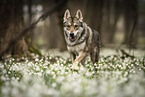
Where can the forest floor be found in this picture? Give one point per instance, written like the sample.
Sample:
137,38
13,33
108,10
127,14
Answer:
116,75
103,52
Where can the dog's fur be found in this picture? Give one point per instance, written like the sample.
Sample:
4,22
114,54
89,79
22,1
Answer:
80,38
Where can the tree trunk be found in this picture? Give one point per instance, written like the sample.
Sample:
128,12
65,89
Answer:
116,15
130,15
55,31
11,24
106,21
111,14
59,14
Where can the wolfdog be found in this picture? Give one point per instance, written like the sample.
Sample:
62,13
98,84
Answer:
81,40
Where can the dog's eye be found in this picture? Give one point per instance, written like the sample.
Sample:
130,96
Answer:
68,26
76,26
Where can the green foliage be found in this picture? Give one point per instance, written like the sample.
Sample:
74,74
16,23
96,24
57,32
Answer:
113,76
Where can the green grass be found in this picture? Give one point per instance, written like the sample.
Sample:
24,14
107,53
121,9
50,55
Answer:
115,76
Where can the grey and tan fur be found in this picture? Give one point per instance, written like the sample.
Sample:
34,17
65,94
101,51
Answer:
80,38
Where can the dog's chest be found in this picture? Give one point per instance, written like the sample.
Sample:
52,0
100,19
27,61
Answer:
77,48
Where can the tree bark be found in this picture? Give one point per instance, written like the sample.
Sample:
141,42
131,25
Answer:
11,24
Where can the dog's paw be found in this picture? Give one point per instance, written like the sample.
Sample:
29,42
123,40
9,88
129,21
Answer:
75,66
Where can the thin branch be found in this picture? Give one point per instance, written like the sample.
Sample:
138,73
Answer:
132,32
134,7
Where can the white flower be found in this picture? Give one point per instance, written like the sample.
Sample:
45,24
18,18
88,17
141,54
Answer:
4,71
36,59
47,71
88,74
13,78
54,76
62,65
54,84
37,68
29,64
3,78
52,73
105,66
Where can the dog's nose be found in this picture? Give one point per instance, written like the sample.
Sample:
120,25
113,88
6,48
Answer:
71,34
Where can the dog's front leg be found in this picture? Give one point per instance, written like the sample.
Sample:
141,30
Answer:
78,59
73,56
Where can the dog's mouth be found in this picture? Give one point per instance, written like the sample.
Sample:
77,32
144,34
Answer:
72,38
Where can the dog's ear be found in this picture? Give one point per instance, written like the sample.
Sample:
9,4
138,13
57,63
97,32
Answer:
79,15
66,15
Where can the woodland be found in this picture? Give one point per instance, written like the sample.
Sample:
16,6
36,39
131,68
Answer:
34,61
28,25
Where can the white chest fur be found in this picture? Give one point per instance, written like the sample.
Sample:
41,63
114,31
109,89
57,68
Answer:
77,48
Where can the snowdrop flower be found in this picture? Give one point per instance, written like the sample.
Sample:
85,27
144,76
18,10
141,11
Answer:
36,59
52,73
62,65
88,74
50,58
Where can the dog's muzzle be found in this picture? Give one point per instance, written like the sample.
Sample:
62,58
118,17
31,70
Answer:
72,37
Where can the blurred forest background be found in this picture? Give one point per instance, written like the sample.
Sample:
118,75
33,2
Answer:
119,22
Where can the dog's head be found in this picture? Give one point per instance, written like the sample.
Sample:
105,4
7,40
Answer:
73,25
